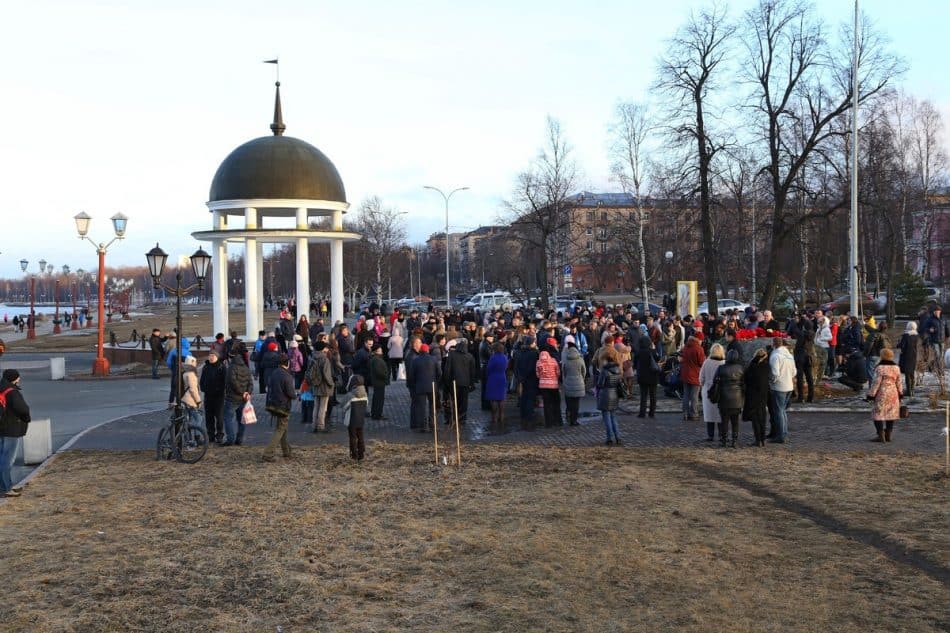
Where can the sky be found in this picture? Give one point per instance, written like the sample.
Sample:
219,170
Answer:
131,106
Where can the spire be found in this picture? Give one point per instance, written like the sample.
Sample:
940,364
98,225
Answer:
278,127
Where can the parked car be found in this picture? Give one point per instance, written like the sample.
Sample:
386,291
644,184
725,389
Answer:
869,303
722,305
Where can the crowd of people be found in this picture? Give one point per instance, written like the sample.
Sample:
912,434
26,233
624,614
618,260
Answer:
550,361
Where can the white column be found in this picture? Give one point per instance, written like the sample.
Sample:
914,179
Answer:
252,288
336,271
303,267
259,273
219,275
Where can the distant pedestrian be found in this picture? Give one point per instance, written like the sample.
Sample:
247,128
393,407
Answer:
607,400
692,358
908,363
782,382
190,393
549,372
496,387
322,384
280,396
239,385
379,379
354,416
707,375
156,343
212,382
573,372
886,392
757,394
13,425
731,391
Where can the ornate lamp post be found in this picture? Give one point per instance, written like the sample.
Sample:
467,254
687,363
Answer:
200,262
100,366
31,320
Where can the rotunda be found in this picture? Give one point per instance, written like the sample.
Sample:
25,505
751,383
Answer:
274,176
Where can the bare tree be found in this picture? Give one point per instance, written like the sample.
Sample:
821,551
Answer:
384,234
539,208
802,86
688,72
630,131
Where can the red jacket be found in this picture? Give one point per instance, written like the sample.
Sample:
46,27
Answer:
834,335
692,358
548,371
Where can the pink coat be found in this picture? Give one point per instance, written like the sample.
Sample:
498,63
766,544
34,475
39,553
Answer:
886,389
548,371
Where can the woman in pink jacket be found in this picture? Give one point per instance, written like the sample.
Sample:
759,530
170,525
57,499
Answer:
886,391
549,372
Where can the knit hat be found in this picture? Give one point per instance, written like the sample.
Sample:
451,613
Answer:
294,344
191,361
569,340
10,375
272,347
219,336
424,348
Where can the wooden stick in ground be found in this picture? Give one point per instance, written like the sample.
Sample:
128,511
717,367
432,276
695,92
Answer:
458,435
435,427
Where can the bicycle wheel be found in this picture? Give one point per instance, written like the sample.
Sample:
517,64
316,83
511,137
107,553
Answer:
192,444
164,449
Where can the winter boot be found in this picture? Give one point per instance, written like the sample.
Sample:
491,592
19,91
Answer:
722,434
879,427
735,438
887,435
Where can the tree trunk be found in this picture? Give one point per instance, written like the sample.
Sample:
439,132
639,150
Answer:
705,159
642,252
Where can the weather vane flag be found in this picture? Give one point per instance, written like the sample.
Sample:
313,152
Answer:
276,63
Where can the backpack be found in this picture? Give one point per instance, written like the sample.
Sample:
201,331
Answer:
3,401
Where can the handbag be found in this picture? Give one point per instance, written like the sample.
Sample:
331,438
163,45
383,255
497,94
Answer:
712,394
248,415
905,411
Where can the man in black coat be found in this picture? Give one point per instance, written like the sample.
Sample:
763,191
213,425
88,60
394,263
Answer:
415,344
280,397
460,368
13,424
213,374
157,344
425,373
361,360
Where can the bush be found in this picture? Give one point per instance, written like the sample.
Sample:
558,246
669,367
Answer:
910,294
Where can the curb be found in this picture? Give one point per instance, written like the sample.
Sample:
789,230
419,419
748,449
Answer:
62,449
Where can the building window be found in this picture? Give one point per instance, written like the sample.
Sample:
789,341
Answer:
590,230
603,216
590,245
590,216
603,233
603,247
633,216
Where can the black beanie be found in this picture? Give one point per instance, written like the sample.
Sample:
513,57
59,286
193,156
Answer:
10,375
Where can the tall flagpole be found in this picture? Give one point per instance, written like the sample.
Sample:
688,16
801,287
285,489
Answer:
853,238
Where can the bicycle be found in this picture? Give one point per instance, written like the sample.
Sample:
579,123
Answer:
181,440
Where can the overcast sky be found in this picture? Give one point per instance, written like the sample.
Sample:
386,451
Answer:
130,106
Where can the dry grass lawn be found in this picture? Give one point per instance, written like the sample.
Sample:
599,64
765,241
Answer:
519,539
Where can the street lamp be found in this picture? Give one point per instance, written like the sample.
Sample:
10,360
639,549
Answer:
448,294
100,366
200,261
31,320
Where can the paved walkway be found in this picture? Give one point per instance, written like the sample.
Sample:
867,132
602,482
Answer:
810,430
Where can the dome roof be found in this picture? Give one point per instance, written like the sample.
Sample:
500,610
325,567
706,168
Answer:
277,167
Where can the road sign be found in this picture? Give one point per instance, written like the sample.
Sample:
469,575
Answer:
568,270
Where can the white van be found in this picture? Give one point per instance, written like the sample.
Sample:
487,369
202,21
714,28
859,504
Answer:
489,300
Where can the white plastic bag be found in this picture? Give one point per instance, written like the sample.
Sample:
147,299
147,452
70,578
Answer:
248,415
401,372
